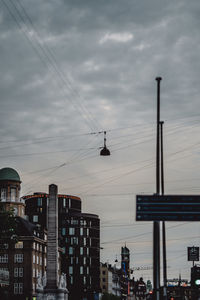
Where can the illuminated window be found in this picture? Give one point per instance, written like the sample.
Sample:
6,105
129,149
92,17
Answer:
19,245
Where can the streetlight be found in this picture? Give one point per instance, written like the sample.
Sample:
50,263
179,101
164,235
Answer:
105,151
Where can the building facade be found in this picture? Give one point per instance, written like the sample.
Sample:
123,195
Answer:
25,259
110,279
79,237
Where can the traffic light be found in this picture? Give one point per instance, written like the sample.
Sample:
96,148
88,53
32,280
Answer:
195,277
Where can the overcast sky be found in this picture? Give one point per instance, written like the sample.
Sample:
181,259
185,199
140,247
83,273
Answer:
71,69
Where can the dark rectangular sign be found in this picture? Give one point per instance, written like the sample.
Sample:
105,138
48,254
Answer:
193,253
167,208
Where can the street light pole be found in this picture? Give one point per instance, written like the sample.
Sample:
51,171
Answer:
156,224
163,223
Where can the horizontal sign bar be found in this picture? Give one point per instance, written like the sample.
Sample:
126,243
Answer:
168,208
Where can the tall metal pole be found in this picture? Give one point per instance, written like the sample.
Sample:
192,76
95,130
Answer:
163,223
156,224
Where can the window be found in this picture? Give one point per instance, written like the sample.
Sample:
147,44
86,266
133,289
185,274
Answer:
21,271
71,231
18,258
74,241
71,279
35,218
19,245
69,202
88,270
70,270
18,272
71,250
33,272
81,250
87,231
37,258
63,231
81,269
3,194
13,194
84,260
18,288
81,231
84,241
64,202
4,246
84,280
39,201
71,260
4,258
34,258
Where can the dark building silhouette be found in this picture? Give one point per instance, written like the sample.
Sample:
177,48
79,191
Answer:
79,237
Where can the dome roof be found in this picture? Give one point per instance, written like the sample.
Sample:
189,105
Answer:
9,174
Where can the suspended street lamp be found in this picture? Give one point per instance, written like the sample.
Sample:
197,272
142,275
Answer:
105,151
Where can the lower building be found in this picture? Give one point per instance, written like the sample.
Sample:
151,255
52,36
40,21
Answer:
24,260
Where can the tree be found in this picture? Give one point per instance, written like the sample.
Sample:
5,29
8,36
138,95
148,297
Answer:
8,226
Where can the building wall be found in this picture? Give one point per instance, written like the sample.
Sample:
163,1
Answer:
24,260
79,237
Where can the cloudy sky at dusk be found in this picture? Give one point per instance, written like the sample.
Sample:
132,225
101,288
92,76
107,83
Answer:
71,69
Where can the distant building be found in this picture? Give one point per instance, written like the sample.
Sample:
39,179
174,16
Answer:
26,259
79,237
110,279
125,272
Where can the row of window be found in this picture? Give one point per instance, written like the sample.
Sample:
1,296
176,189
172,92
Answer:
81,250
38,260
38,247
18,258
84,280
81,270
13,194
72,231
76,260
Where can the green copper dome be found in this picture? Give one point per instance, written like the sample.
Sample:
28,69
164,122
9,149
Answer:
9,174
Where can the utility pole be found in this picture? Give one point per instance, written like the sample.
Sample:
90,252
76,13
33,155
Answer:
156,224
